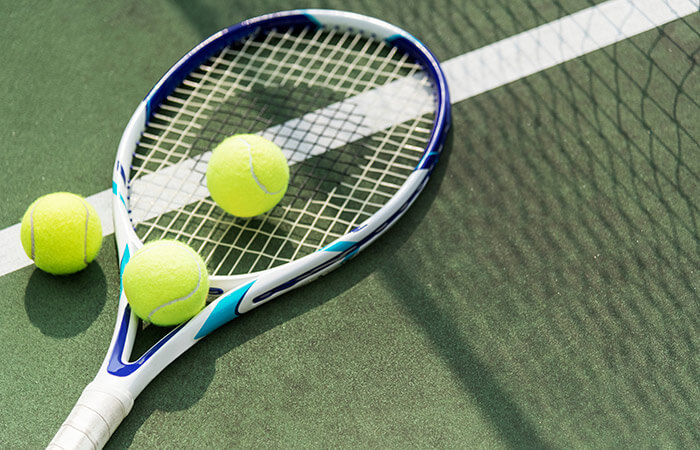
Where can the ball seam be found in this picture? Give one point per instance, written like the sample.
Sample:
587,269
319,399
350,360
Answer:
31,229
252,170
172,302
87,223
186,297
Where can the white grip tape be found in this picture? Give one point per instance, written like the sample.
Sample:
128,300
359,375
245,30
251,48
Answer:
98,412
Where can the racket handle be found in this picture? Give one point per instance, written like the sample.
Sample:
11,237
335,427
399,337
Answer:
98,412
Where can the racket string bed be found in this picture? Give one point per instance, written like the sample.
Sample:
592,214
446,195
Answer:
259,85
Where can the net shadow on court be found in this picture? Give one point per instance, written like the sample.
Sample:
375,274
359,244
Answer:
577,239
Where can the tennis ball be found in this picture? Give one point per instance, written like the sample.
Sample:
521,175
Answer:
247,175
61,232
166,282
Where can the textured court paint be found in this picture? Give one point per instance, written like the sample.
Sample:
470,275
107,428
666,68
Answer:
287,345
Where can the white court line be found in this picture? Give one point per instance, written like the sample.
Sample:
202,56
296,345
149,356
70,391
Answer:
312,134
481,70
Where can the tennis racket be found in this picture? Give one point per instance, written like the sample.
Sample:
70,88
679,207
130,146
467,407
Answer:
361,110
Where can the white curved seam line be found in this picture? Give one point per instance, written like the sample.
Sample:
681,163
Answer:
31,229
87,222
252,171
172,302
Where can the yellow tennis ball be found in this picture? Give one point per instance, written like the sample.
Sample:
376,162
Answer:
247,175
166,282
61,232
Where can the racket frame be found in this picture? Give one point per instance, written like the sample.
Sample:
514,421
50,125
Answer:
109,397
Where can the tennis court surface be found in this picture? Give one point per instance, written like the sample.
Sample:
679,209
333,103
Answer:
541,293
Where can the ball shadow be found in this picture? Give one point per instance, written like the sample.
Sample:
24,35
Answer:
51,301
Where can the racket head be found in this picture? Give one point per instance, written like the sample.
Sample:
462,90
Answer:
366,156
361,109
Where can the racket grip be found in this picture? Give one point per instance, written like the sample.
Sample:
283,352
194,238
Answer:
98,412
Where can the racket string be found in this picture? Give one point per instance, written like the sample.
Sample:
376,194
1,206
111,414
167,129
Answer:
293,87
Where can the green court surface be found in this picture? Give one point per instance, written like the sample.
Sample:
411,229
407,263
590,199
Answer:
541,293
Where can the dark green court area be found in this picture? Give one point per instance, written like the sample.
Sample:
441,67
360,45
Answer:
541,293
